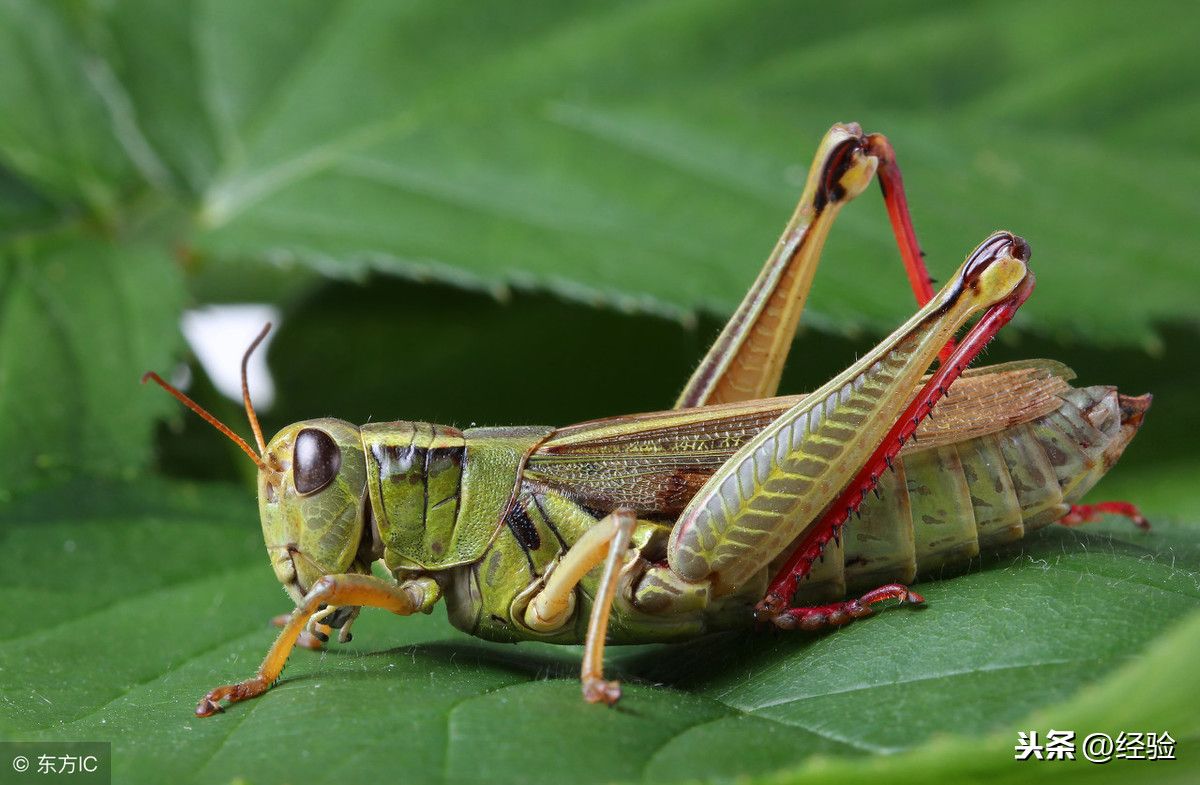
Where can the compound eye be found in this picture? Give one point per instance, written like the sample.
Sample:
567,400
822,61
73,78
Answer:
316,460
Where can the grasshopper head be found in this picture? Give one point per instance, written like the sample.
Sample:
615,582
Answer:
312,499
312,492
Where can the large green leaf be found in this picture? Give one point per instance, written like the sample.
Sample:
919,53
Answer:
643,154
81,318
125,660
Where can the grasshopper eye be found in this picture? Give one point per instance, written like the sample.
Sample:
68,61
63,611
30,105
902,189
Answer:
316,460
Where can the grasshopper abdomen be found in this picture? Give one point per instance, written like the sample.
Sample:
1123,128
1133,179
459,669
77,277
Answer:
943,504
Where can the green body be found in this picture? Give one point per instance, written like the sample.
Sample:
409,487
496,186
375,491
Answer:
487,512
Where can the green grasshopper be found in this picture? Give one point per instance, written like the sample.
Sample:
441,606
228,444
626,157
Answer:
670,525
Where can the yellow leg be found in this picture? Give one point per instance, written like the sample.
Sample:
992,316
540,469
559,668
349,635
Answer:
595,688
553,605
307,640
746,361
357,590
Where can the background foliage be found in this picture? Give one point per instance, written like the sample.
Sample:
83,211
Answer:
485,213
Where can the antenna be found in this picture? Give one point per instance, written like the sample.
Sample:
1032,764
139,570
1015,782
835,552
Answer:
254,426
213,421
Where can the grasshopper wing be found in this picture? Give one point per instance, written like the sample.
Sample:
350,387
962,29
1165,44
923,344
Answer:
656,462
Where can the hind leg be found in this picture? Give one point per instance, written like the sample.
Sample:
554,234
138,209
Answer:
816,617
1089,513
746,361
783,585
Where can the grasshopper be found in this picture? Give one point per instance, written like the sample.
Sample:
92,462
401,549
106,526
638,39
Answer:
728,510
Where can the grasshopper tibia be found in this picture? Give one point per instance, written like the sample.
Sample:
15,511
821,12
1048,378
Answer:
347,589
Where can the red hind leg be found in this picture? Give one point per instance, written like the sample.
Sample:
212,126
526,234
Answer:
783,586
894,197
836,614
1088,513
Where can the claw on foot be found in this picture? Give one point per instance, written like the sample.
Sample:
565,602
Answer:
210,704
207,707
601,691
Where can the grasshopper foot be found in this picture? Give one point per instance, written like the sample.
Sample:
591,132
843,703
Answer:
836,614
601,691
1087,513
210,704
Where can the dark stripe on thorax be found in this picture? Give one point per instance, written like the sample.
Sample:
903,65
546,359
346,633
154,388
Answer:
524,532
537,502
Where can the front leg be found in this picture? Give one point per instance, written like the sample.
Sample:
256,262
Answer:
313,640
349,589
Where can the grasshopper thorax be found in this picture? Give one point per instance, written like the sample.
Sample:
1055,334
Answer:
312,500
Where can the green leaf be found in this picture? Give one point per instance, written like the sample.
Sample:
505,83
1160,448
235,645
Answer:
62,121
80,320
1144,693
639,154
1065,619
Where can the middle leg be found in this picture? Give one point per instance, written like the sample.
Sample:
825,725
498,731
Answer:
607,541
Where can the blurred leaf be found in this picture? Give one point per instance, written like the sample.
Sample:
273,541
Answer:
127,659
64,117
641,154
80,321
21,210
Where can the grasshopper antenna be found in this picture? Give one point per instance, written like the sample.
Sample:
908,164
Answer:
213,421
254,426
200,410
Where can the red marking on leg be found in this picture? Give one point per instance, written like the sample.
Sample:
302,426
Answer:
838,613
799,564
1088,513
894,197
